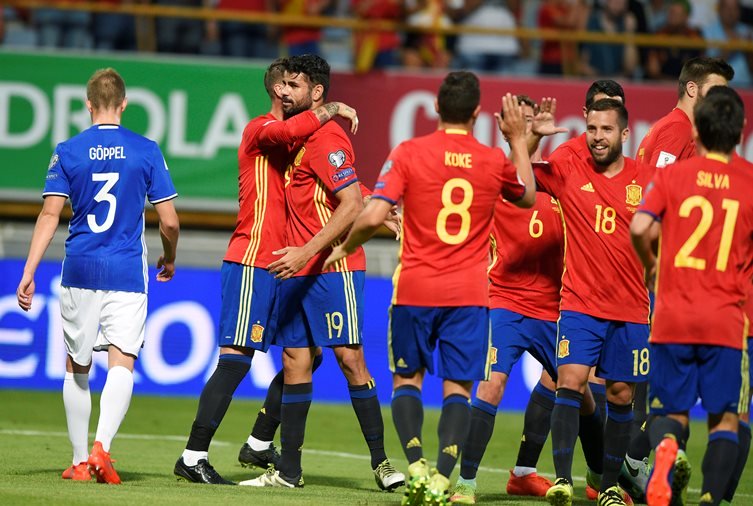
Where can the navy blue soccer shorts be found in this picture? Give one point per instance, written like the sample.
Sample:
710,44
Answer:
513,334
321,310
619,350
248,313
461,334
681,373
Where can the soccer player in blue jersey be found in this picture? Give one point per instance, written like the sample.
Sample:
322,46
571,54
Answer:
107,171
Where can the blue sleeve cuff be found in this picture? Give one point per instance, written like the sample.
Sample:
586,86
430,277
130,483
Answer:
382,197
338,188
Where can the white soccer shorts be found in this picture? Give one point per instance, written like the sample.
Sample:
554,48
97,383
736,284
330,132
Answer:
95,319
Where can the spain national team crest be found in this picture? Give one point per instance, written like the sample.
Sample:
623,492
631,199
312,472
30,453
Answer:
492,355
564,348
257,333
633,194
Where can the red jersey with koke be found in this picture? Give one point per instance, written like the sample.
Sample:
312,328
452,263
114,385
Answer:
669,140
449,183
526,252
320,168
706,250
603,276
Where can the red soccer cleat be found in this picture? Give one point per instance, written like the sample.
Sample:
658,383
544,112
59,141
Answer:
659,489
101,465
530,485
591,493
77,472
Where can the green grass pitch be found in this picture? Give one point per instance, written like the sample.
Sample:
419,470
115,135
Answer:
34,450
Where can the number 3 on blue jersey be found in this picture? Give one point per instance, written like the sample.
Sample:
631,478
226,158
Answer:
110,178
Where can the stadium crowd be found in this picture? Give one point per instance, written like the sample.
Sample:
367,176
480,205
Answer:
712,20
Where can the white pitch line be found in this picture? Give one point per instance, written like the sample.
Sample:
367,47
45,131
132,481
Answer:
328,453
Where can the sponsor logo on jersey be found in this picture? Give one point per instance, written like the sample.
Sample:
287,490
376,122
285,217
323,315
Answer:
656,403
257,333
563,349
633,194
588,187
401,363
337,158
341,175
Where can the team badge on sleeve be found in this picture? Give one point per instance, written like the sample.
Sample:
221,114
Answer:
386,168
53,161
665,159
337,158
633,194
564,348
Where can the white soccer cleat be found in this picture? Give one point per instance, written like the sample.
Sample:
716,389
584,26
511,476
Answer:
272,478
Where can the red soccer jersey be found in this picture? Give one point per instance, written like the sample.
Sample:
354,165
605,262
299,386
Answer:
526,268
449,183
262,158
669,140
321,168
572,148
706,250
602,276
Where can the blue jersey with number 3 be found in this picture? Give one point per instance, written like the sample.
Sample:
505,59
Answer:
107,171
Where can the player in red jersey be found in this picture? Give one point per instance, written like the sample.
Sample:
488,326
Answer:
247,319
699,333
670,139
449,184
604,308
317,306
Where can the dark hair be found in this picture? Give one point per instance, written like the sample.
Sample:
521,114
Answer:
699,69
611,104
719,119
607,87
459,95
523,100
314,67
274,74
105,89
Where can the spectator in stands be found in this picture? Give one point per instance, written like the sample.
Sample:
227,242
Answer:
666,62
63,28
376,49
656,14
114,31
247,40
727,27
424,49
299,39
489,53
180,35
610,59
564,15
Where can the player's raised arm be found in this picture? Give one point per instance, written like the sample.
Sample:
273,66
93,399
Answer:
169,229
44,231
513,126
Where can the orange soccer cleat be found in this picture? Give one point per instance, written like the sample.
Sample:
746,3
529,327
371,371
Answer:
101,465
659,489
77,472
530,484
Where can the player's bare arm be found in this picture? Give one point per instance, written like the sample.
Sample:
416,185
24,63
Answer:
368,222
514,127
331,109
642,230
296,257
44,231
169,229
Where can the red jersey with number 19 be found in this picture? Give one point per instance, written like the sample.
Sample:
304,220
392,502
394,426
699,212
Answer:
669,140
526,268
321,167
602,277
449,183
706,250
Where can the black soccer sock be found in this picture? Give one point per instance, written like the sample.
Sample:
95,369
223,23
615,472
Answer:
683,441
640,444
661,427
536,423
268,418
640,412
453,431
743,437
408,417
718,465
565,426
591,434
215,399
296,401
599,392
483,415
616,441
369,413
